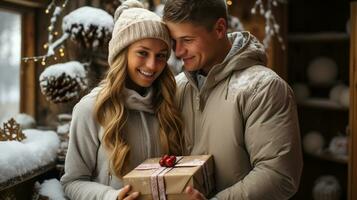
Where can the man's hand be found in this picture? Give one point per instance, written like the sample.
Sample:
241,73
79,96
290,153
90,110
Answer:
194,194
123,194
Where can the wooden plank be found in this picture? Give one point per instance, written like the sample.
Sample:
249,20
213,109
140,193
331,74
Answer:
352,170
29,3
28,176
28,70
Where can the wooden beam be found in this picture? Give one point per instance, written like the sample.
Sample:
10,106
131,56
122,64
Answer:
352,168
28,71
29,3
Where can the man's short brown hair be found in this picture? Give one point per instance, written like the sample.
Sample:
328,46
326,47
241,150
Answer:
199,12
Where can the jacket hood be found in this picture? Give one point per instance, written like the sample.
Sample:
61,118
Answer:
246,51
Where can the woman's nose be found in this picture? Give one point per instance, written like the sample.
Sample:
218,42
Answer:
151,62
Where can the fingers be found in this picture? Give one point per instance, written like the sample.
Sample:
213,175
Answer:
194,194
132,196
123,194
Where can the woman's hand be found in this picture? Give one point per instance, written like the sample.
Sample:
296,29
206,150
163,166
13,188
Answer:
194,194
123,194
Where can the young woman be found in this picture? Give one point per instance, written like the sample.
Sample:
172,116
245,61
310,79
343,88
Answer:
130,116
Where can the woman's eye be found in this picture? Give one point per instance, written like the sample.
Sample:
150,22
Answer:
142,53
161,56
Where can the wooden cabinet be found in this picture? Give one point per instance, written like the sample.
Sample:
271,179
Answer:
311,29
352,167
314,29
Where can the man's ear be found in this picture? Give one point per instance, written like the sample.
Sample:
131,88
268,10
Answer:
221,28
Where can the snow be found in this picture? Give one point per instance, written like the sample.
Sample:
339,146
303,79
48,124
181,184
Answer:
52,189
26,121
88,16
63,129
73,69
18,158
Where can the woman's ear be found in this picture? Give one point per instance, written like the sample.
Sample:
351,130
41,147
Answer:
221,28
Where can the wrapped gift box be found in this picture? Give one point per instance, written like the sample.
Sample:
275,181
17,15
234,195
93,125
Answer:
157,183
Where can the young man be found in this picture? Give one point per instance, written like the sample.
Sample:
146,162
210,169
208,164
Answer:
233,106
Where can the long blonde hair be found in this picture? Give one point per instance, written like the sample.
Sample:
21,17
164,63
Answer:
112,115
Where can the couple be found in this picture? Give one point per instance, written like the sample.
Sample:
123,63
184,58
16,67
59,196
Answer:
231,105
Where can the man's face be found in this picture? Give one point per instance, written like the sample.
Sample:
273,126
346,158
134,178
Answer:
195,45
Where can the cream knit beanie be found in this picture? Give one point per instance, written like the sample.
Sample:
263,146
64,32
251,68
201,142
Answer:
133,23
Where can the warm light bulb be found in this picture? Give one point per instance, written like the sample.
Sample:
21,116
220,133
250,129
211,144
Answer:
50,28
35,60
229,2
47,11
61,50
45,46
55,33
55,58
62,54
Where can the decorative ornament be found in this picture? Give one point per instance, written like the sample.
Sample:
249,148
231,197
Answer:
272,28
11,132
327,187
313,142
335,92
64,82
345,97
167,161
89,27
322,71
339,145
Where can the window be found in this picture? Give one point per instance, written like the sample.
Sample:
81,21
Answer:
17,79
10,60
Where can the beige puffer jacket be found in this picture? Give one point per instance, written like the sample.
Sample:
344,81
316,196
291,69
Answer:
87,174
245,116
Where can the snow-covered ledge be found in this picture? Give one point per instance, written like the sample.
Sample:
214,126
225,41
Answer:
19,159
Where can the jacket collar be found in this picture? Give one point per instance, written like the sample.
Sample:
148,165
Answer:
134,101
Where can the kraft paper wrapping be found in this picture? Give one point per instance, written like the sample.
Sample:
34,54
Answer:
175,180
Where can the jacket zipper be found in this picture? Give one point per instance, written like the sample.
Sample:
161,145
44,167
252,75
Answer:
109,178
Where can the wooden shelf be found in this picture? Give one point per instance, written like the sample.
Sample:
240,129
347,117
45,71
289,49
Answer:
322,103
326,155
28,176
318,37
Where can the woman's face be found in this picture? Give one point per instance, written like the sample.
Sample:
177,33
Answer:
146,60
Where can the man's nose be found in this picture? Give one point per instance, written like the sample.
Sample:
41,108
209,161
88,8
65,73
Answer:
179,50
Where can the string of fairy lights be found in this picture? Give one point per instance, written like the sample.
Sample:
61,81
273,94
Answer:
55,7
229,2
